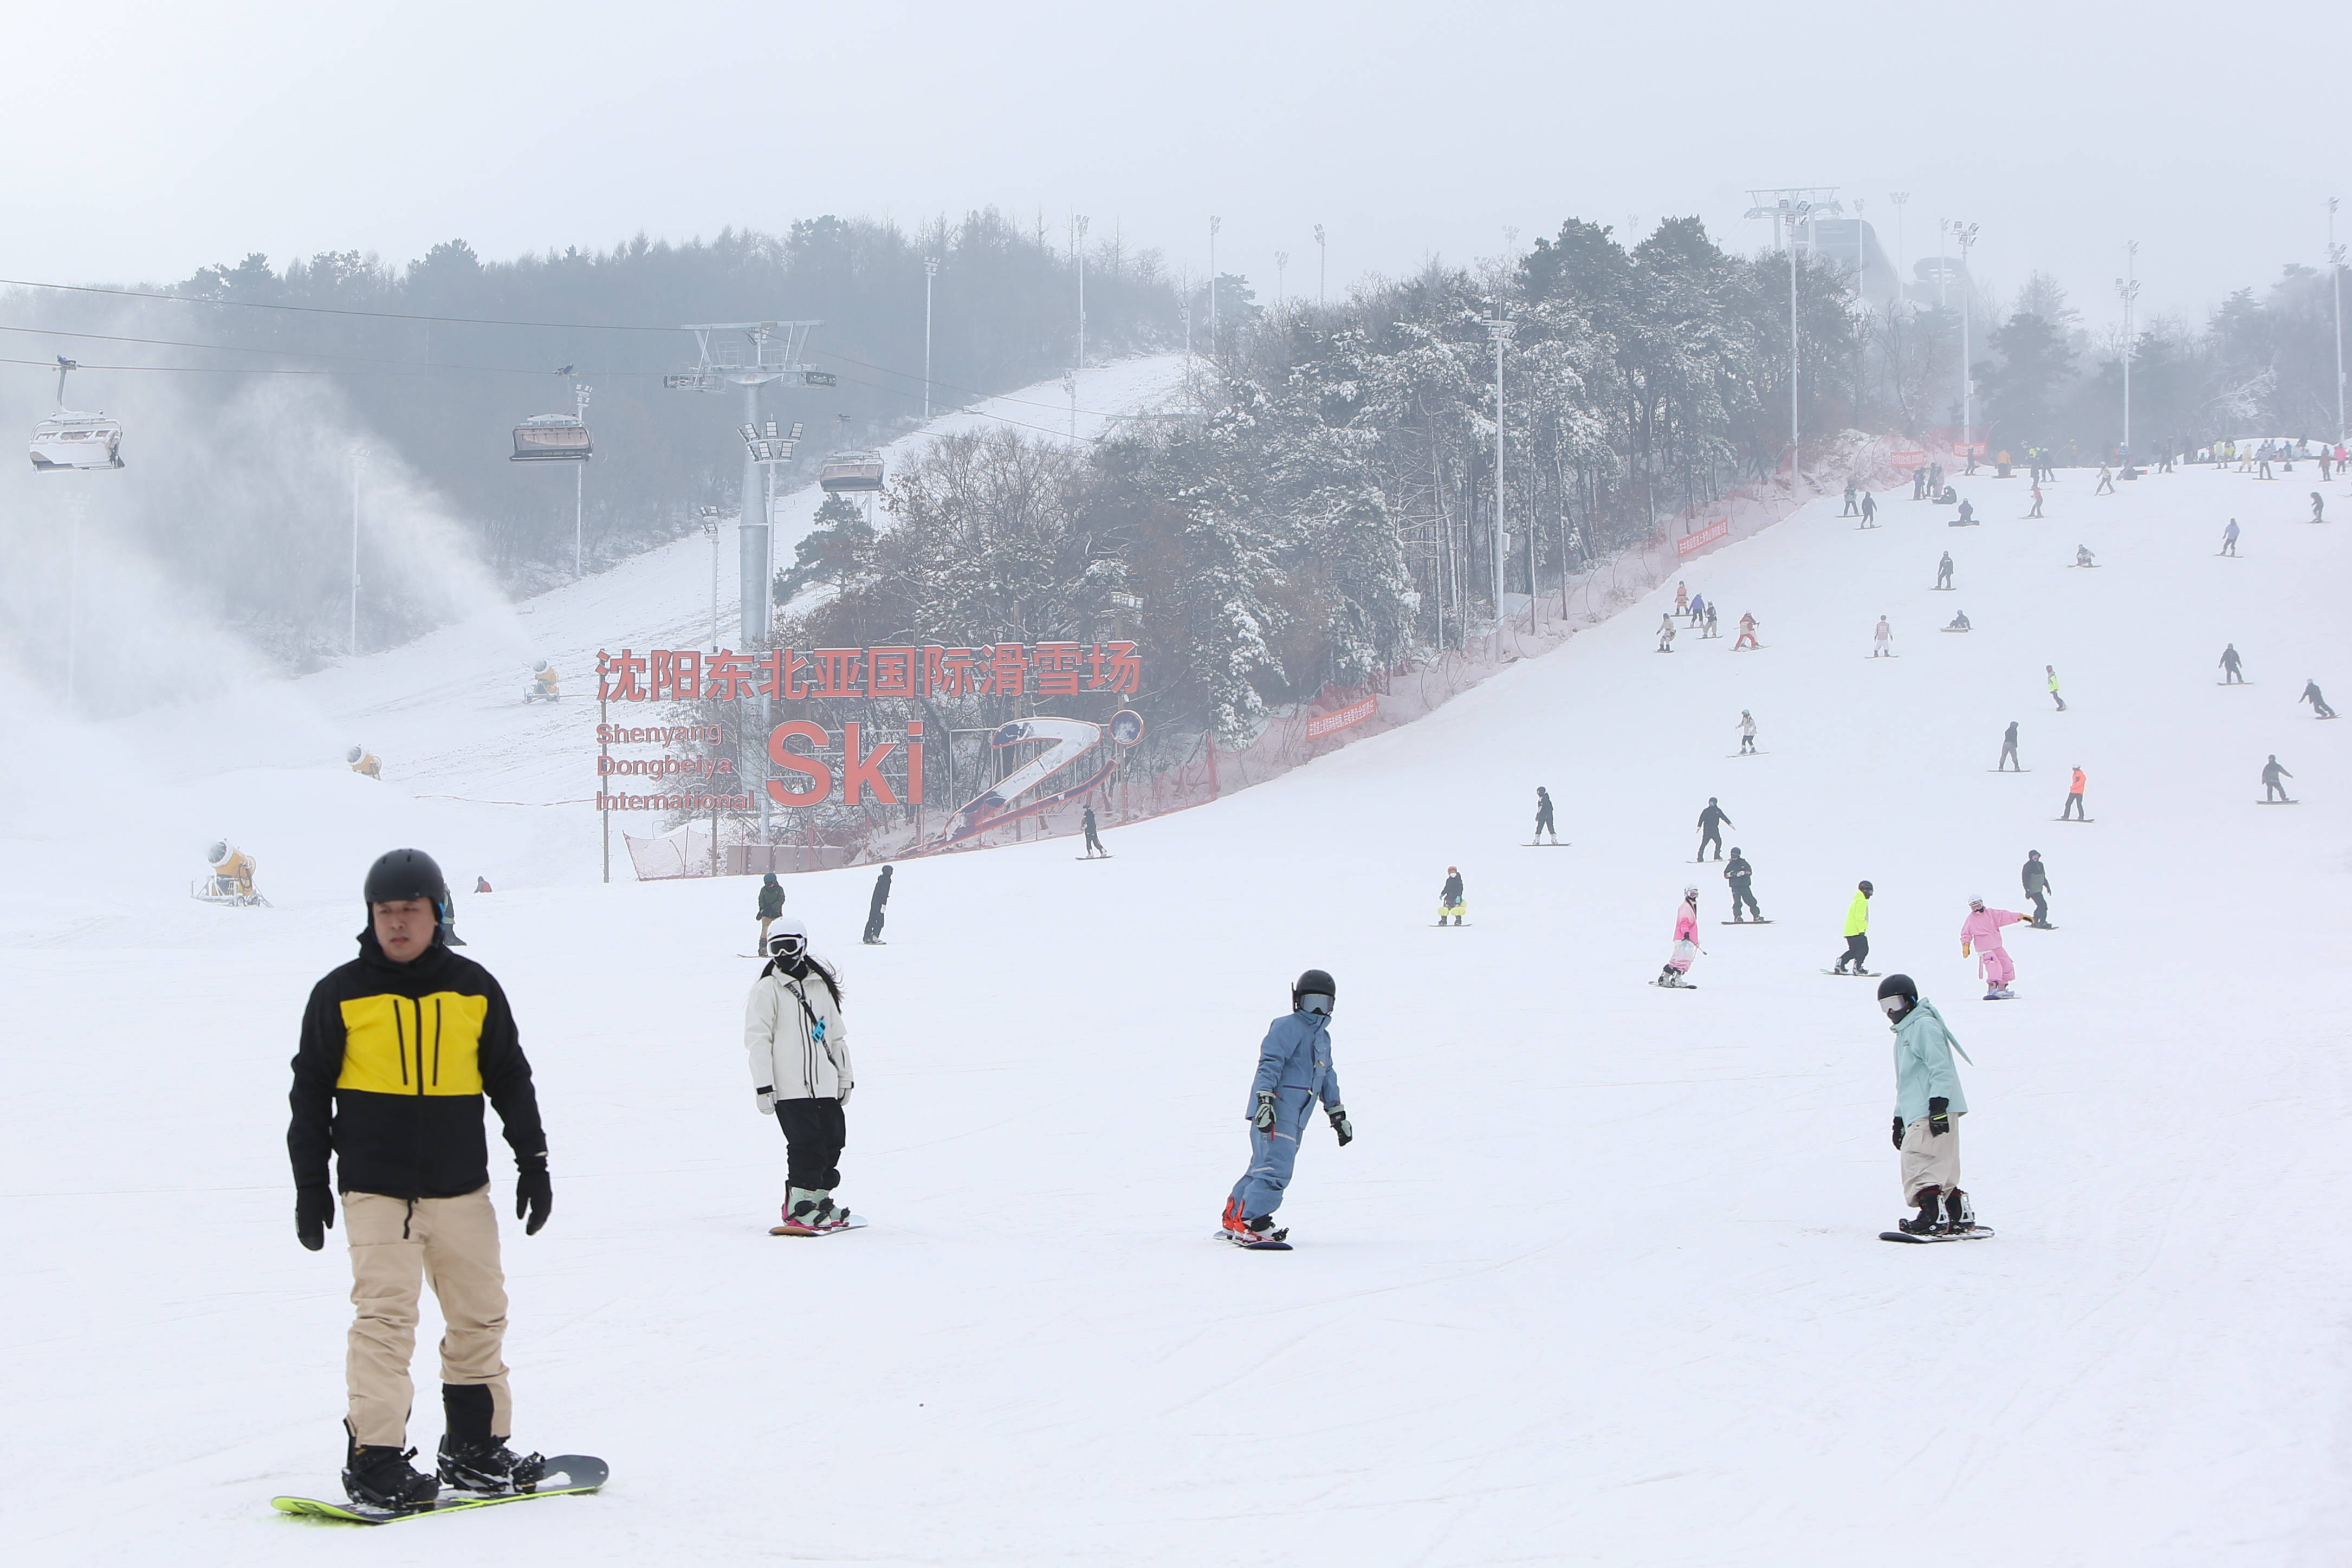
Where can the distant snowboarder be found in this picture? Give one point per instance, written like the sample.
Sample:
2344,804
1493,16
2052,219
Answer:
1665,634
2318,508
874,916
2272,789
1880,640
1449,896
2106,482
1747,633
1682,600
1747,732
2319,707
1543,815
1944,571
2035,876
1869,509
2008,750
1929,1105
2074,799
771,905
2051,671
1676,971
1094,835
1711,824
1967,516
1852,491
2036,511
1711,631
481,884
1981,932
2230,672
1294,1071
2230,538
1920,484
1739,873
2083,556
1857,930
1958,623
1697,608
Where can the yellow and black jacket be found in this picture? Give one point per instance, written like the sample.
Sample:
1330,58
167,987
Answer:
390,1076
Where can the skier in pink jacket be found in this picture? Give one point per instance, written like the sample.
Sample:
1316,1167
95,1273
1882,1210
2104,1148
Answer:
1980,932
1685,942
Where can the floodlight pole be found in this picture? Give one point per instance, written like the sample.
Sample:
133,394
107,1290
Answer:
1500,331
931,272
1214,224
579,481
1965,234
1322,267
2336,261
1079,225
1281,267
2128,287
359,461
1796,211
1901,200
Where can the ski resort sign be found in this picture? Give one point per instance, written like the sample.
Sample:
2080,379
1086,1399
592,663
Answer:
1713,534
790,675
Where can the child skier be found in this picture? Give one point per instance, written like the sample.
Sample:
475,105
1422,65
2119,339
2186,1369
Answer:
2036,877
1747,731
1710,620
1737,871
1928,1106
1449,896
1857,930
1981,932
1880,637
1543,815
1747,633
1665,634
2230,538
799,1051
1294,1071
1686,947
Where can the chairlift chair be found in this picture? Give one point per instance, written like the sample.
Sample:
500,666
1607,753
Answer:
69,440
851,473
553,439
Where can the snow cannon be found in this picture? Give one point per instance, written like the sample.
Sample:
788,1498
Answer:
542,683
231,882
364,761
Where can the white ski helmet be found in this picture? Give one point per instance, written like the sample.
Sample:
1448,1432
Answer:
787,938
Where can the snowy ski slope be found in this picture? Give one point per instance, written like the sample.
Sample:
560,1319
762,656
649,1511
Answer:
1598,1281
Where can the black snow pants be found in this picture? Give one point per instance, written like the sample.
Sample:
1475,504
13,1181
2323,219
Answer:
1710,836
1858,948
814,1130
1741,895
873,924
2041,905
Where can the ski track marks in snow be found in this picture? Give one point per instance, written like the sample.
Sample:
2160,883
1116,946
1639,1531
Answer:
1599,1279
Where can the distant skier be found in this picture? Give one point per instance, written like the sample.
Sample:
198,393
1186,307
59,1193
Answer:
364,763
2106,482
1944,571
2230,538
1967,516
1747,733
2036,511
1857,930
1449,896
2051,672
874,915
2272,789
1676,971
798,1044
2074,800
481,884
1543,815
1711,824
1094,836
771,905
2008,750
2319,707
1682,600
1920,484
1294,1071
1747,633
2083,556
2230,673
1869,509
2036,878
1981,932
1929,1105
1711,630
1739,873
1665,634
2318,508
1697,608
1958,623
1883,636
1852,491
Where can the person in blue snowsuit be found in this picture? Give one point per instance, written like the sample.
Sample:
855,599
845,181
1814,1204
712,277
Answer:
1294,1071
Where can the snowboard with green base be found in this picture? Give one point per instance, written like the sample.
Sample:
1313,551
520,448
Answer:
567,1474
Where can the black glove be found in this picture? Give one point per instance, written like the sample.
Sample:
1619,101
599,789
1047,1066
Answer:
1937,1123
1341,1125
1263,1117
314,1215
532,1193
1898,1132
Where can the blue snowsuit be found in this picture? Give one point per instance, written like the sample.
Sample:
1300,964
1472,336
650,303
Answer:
1294,1061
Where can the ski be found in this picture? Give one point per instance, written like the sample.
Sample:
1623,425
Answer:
1974,1232
567,1474
856,1223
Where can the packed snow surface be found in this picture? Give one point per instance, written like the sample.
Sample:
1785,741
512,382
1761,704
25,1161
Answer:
1599,1280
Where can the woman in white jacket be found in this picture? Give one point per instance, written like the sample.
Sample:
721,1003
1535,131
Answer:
799,1051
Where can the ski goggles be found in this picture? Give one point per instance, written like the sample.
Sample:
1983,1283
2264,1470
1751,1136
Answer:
1315,1002
1894,1003
787,946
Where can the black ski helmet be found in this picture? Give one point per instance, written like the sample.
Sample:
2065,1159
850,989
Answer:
1898,986
400,874
1314,983
1866,889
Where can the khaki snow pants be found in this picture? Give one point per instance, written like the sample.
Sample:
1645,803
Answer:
1929,1160
451,1243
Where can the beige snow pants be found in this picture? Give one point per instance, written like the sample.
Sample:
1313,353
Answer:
453,1245
1929,1160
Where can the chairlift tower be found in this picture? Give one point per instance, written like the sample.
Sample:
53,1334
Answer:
751,354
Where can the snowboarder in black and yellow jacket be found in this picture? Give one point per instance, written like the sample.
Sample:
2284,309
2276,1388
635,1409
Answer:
399,1048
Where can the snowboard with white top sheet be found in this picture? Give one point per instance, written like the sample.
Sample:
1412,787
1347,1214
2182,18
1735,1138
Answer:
857,1221
1974,1232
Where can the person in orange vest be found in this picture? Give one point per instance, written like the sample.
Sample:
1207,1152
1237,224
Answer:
2074,800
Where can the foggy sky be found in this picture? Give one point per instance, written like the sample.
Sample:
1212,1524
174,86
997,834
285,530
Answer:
175,136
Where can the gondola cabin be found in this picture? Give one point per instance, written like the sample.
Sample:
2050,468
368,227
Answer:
553,439
851,473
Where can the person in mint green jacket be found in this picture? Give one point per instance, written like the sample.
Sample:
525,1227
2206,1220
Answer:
1928,1106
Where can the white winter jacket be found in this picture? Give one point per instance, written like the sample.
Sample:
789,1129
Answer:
795,1040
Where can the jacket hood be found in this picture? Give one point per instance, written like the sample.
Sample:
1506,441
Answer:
1923,1006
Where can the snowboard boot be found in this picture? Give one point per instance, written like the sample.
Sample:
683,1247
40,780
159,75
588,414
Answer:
2004,994
378,1476
828,1215
1261,1229
471,1459
1929,1219
800,1209
1234,1225
1960,1215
